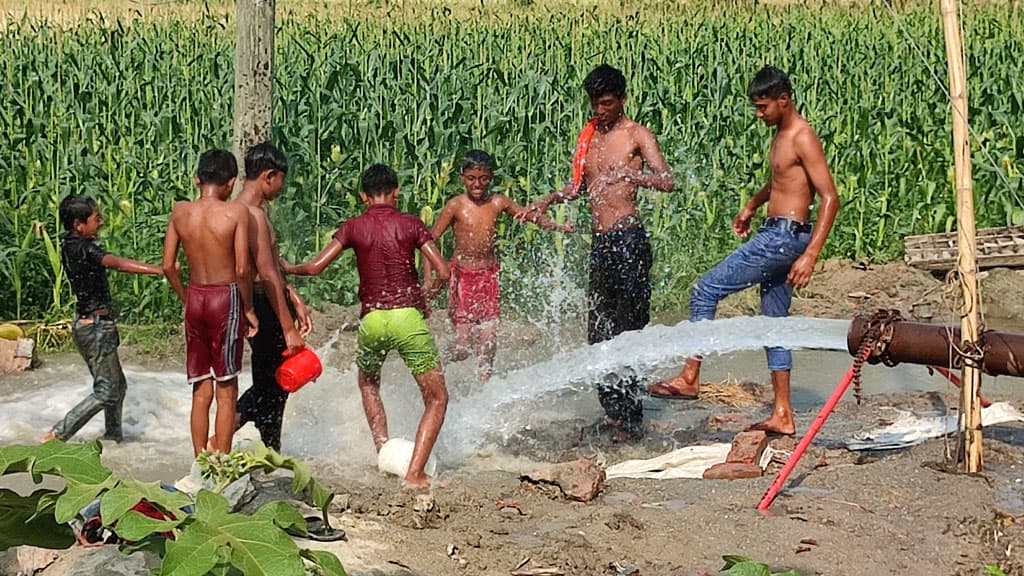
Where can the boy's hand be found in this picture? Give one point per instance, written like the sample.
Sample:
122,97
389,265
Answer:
741,224
293,340
567,227
302,316
253,323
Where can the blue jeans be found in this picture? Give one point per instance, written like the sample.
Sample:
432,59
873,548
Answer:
97,342
765,259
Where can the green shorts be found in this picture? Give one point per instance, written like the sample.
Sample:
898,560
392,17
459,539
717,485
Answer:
402,329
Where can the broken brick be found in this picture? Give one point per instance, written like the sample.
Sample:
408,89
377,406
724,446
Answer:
732,471
747,447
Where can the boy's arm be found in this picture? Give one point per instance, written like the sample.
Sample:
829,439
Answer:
302,315
433,255
812,156
270,274
317,264
569,192
521,214
444,220
243,268
657,175
170,259
130,266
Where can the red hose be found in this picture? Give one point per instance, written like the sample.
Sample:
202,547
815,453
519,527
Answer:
819,421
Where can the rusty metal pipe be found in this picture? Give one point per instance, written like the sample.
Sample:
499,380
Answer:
930,344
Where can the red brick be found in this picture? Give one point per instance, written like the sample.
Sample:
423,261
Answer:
732,471
747,447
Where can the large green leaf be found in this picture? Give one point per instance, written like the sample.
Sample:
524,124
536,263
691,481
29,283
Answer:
328,562
19,525
135,526
77,495
116,502
78,462
282,514
258,547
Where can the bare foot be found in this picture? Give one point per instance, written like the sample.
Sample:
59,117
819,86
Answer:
211,444
776,424
420,482
51,435
675,388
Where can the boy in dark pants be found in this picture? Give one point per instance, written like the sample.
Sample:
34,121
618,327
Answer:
277,305
94,330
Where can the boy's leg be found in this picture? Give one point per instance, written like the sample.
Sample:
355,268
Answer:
623,296
202,397
264,402
97,341
462,344
416,346
745,267
373,407
486,345
224,422
776,297
435,405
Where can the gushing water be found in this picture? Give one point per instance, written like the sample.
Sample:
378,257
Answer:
324,420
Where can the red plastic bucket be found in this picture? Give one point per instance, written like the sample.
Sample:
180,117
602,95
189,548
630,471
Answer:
298,369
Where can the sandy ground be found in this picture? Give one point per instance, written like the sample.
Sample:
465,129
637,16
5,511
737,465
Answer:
903,512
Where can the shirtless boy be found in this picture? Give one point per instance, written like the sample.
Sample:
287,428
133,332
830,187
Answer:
473,296
277,305
215,236
610,164
782,254
385,242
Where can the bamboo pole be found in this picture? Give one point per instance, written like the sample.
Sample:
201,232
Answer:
254,76
966,244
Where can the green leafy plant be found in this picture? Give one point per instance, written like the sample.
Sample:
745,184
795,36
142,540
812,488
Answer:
994,570
194,537
743,566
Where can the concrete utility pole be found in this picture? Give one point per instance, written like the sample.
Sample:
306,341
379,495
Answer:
254,76
966,242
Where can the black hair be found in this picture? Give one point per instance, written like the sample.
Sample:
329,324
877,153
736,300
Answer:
217,166
769,82
477,159
262,157
75,208
605,80
378,180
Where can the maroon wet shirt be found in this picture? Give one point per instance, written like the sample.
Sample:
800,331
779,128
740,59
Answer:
385,241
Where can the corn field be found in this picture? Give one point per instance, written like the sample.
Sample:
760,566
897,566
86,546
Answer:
120,110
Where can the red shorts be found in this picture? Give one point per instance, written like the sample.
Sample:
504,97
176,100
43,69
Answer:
473,294
214,330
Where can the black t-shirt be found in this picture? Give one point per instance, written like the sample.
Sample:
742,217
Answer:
83,262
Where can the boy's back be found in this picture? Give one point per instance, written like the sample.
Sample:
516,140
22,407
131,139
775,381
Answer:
211,233
385,242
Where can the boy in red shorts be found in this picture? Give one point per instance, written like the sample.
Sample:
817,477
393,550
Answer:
215,236
473,295
393,307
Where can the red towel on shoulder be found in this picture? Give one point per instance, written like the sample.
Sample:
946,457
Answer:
580,157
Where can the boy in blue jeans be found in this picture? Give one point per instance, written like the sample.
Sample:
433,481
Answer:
782,254
94,329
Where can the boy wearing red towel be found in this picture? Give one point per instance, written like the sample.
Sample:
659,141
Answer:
615,156
474,287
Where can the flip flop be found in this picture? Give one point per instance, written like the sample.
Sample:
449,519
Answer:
664,392
315,530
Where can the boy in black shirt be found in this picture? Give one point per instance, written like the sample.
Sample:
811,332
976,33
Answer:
94,330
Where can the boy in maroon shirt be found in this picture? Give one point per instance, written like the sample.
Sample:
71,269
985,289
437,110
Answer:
393,307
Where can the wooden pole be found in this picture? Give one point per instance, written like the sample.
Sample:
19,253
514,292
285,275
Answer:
966,243
254,76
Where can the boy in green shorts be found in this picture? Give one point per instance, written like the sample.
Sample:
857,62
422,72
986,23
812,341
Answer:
393,307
